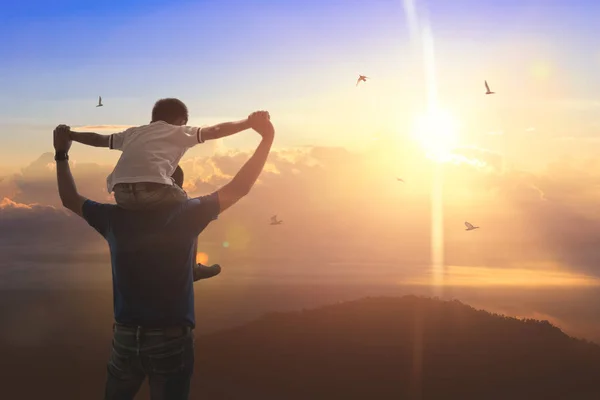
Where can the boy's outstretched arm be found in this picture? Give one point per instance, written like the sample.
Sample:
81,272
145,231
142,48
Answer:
224,129
229,128
90,138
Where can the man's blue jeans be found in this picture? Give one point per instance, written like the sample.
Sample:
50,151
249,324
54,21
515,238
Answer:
165,356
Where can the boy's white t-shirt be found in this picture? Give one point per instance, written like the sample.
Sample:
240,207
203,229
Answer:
151,152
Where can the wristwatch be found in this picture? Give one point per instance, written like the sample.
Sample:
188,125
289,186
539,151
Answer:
61,156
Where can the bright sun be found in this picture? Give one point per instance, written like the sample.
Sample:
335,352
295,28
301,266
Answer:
437,132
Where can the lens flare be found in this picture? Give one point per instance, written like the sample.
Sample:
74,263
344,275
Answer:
436,131
201,258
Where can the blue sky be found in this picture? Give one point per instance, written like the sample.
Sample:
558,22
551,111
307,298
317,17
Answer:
299,59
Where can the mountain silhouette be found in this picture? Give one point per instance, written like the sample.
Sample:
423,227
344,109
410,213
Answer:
397,348
374,348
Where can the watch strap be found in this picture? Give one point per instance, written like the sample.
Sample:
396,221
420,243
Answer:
61,156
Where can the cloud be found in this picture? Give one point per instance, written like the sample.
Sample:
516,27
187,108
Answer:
530,129
7,187
513,277
340,206
36,183
577,104
37,226
479,157
580,138
8,206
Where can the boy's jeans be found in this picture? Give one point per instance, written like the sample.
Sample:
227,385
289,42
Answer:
165,356
136,196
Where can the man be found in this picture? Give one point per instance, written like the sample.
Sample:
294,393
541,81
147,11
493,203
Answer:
152,254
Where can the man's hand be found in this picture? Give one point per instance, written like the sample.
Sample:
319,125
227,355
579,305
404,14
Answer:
265,129
62,138
257,118
260,121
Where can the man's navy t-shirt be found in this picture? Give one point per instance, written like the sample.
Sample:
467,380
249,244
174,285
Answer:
152,255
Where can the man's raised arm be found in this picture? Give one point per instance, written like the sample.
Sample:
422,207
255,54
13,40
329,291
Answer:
67,190
243,181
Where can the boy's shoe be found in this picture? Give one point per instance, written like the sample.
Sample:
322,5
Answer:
204,272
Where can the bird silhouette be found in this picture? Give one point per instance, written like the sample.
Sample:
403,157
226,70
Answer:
274,220
400,179
361,78
470,227
487,87
99,101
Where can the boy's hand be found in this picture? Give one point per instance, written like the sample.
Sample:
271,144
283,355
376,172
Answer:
257,118
65,127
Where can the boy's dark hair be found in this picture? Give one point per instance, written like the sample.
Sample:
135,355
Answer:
169,110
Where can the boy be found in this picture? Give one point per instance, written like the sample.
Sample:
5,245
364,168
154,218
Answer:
143,176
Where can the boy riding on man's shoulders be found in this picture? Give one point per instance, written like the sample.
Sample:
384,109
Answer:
148,174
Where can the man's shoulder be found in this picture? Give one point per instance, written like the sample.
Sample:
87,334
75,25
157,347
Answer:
98,215
92,204
208,205
209,198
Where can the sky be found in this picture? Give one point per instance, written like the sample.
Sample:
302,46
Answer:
521,163
300,61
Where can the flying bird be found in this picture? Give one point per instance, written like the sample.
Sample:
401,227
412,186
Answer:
470,227
274,220
99,101
400,179
487,87
361,78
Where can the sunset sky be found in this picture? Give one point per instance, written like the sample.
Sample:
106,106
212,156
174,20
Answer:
523,164
300,60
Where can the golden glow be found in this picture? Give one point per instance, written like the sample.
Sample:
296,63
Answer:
202,258
437,229
238,237
483,276
437,132
540,70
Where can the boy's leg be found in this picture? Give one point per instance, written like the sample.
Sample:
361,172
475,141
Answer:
178,176
205,272
165,195
148,195
124,196
200,271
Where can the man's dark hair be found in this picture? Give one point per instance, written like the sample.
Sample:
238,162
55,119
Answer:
169,110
